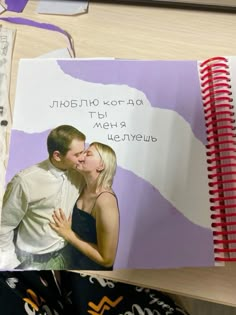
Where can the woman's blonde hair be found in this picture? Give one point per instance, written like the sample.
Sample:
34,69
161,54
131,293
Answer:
108,158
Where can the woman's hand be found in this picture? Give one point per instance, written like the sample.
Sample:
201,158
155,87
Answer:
61,224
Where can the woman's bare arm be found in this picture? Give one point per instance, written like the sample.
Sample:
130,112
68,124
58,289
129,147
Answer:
107,227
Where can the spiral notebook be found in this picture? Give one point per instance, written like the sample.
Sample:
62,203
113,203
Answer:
172,127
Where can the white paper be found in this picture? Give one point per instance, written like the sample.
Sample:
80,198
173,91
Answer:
62,7
2,9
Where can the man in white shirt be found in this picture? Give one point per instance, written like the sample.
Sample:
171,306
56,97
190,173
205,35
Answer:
26,238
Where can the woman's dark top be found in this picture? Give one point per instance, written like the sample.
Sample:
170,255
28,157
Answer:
84,225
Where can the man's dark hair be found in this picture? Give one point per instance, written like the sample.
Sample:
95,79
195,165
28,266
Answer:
60,138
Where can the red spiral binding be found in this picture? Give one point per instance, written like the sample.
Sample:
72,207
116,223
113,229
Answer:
221,152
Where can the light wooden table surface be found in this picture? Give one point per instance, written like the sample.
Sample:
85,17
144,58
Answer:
139,32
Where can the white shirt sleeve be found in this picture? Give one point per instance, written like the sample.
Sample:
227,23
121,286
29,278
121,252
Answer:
13,210
8,259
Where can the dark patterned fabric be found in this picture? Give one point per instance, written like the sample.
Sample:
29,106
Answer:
37,293
30,293
97,296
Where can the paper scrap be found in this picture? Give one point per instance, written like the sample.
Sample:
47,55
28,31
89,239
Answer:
2,8
15,5
7,38
62,7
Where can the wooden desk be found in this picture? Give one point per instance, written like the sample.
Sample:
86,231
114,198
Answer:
112,30
122,31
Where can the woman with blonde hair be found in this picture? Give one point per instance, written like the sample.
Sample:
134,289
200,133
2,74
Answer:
93,230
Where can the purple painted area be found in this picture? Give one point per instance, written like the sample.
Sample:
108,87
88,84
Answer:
161,237
16,5
153,234
25,150
170,85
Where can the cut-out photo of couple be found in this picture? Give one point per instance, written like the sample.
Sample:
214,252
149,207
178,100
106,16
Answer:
62,213
146,206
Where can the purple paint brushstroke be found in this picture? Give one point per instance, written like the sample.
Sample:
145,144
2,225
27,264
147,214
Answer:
47,26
